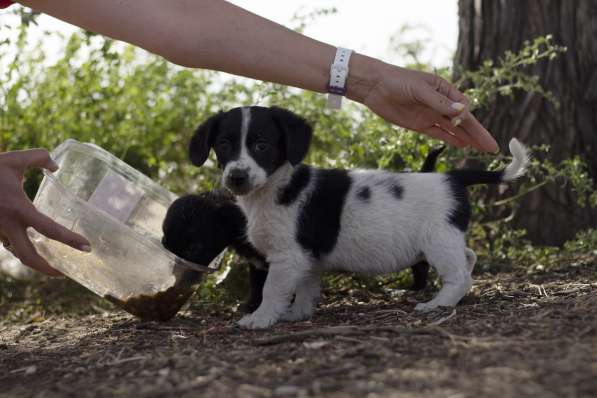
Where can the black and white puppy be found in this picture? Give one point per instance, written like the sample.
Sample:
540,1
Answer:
307,220
199,227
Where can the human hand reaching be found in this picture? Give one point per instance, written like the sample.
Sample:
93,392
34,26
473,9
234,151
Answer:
17,213
418,101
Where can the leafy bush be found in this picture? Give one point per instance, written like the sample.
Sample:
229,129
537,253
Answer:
509,73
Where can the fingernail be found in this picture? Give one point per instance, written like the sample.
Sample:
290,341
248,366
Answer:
458,106
53,165
456,121
86,248
495,145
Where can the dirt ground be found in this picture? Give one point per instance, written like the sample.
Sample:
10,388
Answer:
517,334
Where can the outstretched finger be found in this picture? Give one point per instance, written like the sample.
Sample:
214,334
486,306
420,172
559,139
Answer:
32,158
441,134
458,131
479,134
24,250
48,227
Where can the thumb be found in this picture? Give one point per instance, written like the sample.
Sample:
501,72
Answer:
48,227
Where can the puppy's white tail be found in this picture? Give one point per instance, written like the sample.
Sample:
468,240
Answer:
520,160
516,168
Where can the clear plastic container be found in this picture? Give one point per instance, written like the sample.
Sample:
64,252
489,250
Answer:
120,211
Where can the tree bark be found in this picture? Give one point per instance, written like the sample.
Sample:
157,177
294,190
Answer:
487,29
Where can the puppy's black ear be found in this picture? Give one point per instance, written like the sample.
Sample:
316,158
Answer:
297,134
203,139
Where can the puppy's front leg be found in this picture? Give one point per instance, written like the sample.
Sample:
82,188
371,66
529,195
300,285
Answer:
280,285
307,296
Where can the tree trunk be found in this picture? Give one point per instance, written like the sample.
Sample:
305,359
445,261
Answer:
487,29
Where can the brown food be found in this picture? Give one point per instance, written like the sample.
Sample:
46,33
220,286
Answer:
161,306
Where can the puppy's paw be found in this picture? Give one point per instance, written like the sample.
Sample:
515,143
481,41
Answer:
256,321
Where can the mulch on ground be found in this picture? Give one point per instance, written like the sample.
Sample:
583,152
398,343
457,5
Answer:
515,335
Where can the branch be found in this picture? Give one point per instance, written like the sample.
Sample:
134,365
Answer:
519,195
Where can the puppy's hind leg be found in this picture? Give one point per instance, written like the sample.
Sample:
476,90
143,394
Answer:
447,255
420,275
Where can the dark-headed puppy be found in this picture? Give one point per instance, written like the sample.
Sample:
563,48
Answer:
199,227
307,220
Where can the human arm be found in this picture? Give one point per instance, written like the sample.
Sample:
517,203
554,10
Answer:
217,35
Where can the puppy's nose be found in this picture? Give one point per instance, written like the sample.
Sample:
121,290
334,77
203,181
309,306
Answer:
238,177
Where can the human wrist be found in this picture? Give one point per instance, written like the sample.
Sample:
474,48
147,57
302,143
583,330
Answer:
363,75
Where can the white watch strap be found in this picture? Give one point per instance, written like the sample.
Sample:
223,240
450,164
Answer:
338,75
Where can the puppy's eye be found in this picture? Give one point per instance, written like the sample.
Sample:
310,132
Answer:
261,147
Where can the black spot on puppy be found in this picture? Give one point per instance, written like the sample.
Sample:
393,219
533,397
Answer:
299,180
319,219
397,190
364,193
